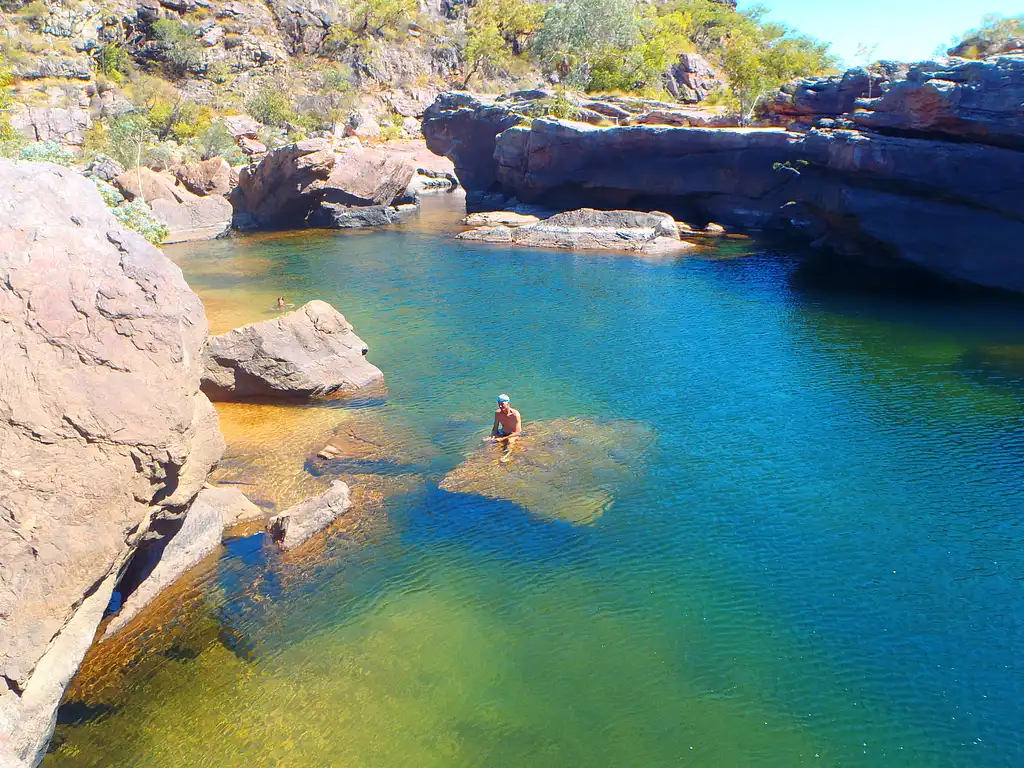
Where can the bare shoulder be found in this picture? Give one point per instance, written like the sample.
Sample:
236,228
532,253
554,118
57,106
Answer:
518,416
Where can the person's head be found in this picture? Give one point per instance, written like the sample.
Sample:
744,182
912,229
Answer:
504,403
280,301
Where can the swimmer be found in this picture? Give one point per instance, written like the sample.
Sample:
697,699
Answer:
281,303
508,425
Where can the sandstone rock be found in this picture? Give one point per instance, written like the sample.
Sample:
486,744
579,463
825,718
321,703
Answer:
198,537
233,505
714,229
363,123
105,168
588,229
692,79
309,353
496,234
508,218
55,65
242,126
292,182
209,177
975,100
252,146
100,419
65,126
297,524
150,185
812,97
702,117
566,469
334,216
194,218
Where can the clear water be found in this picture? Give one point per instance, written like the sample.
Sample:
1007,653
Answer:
818,560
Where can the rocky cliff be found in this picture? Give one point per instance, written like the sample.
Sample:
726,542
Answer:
915,165
104,433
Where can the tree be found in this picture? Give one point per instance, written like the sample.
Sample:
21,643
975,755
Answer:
576,33
271,106
129,136
995,31
484,49
182,48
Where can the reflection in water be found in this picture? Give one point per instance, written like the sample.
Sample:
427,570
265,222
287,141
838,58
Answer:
817,559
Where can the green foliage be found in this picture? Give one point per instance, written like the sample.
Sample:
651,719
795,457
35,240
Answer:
47,152
577,33
271,106
9,138
114,63
217,141
182,48
129,136
138,216
485,47
994,30
374,17
111,197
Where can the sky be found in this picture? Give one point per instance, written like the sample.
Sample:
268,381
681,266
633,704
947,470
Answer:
905,30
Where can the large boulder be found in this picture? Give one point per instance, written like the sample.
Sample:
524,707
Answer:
187,216
297,524
692,79
310,353
103,427
293,181
209,177
335,216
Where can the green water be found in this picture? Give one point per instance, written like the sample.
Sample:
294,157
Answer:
813,557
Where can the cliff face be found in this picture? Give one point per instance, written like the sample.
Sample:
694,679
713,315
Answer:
927,173
103,430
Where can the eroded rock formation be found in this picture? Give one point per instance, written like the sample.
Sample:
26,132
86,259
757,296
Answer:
309,353
103,428
186,215
932,176
297,524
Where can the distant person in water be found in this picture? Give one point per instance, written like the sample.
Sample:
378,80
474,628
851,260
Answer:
281,304
508,424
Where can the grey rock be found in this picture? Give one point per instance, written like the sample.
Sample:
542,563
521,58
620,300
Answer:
589,229
242,126
233,505
692,78
101,419
209,177
65,126
297,524
105,168
306,354
201,218
494,234
334,216
508,218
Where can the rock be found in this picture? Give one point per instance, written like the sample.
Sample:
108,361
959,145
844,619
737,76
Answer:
233,505
242,126
566,469
148,11
297,524
334,216
209,177
960,201
65,126
195,218
975,100
306,354
588,229
826,96
198,537
713,229
292,182
55,65
696,118
496,234
252,146
692,79
981,47
363,124
508,218
212,37
102,424
104,168
149,186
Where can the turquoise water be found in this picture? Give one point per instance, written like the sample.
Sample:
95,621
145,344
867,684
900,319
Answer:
816,559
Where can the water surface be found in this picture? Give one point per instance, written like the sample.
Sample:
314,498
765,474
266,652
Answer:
816,559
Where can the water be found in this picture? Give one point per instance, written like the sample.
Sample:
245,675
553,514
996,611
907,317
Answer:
813,556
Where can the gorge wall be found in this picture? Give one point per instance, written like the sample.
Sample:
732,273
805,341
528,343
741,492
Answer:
104,433
904,165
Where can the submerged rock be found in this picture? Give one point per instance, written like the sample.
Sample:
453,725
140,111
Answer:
336,216
297,524
566,469
102,425
310,353
233,505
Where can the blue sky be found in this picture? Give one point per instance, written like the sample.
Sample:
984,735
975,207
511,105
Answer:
907,30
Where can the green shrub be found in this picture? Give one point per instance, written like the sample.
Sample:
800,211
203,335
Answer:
184,51
47,152
271,106
217,141
114,63
110,195
129,136
138,216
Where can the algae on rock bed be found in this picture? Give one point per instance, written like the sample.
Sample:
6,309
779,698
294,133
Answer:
566,469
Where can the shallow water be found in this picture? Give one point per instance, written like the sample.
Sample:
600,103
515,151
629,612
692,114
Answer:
815,559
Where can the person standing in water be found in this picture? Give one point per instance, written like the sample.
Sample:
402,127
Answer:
508,424
282,304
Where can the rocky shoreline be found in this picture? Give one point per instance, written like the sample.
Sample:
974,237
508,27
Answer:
918,166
